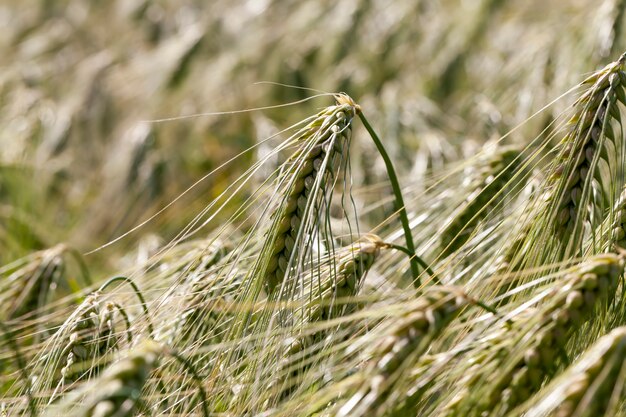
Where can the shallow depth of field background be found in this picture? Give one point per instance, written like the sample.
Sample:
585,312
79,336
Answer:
78,79
112,110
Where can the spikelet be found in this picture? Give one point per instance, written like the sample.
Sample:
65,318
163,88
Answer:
618,229
592,386
408,337
310,174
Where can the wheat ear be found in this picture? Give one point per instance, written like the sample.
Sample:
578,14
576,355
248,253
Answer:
117,392
205,318
91,335
590,145
585,289
310,174
351,268
485,190
591,387
408,337
30,282
324,304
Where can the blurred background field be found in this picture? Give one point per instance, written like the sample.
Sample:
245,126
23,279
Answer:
78,79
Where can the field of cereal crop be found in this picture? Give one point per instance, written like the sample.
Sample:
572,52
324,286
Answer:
280,208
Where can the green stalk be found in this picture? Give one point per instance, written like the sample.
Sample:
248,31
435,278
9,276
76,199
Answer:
196,378
138,293
419,260
399,200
